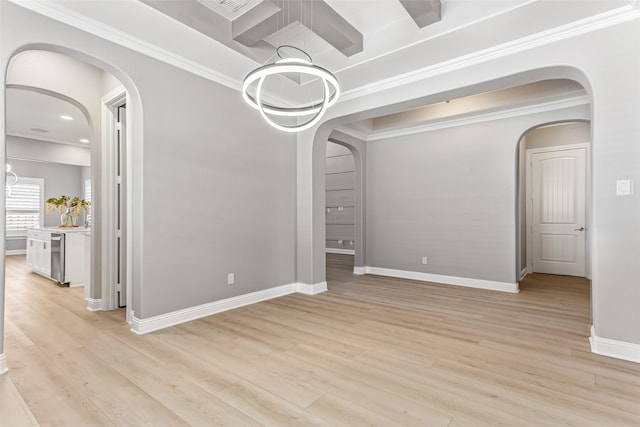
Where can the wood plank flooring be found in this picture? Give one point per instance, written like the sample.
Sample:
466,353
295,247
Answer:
372,351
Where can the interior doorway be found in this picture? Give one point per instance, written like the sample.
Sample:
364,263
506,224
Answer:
80,85
555,170
558,210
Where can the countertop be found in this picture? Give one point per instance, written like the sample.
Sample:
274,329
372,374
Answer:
63,230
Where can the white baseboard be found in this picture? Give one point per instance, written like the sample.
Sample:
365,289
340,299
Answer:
303,288
16,252
447,280
94,304
359,270
614,348
340,251
143,326
3,364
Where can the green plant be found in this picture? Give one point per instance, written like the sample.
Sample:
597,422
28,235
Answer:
62,203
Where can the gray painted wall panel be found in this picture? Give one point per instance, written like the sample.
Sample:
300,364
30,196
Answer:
337,150
339,164
340,231
341,181
340,198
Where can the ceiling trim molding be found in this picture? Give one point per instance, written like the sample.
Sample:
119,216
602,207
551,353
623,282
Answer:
541,107
45,139
360,134
91,26
564,32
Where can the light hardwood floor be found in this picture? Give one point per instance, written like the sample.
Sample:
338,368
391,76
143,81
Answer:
371,351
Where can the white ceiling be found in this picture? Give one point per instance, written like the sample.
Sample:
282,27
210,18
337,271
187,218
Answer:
37,115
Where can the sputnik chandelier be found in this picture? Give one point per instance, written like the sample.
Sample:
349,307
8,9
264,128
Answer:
313,111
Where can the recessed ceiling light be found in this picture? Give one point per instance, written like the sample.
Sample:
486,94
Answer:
39,130
66,117
84,140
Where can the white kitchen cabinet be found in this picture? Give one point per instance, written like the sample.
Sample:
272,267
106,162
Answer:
72,260
39,252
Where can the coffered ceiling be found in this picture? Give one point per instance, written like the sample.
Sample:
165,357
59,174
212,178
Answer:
367,44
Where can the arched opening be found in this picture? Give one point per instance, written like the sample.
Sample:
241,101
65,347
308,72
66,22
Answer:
447,218
345,200
554,193
80,81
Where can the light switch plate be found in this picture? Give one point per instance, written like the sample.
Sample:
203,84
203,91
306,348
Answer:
624,187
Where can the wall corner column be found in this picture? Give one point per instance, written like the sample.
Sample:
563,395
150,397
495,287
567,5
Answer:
310,226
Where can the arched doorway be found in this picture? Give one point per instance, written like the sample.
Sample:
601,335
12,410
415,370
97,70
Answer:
37,67
554,194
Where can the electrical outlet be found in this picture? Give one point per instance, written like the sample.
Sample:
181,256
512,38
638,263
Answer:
424,260
231,278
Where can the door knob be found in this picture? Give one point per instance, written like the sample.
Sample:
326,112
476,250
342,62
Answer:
579,229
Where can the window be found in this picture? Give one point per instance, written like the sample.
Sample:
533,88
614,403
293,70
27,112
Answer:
25,204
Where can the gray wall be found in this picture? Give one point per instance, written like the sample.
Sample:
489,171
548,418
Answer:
340,193
213,185
450,195
59,179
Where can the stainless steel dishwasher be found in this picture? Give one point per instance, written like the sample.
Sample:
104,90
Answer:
57,257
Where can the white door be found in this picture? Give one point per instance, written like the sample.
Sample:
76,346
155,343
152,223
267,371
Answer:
558,205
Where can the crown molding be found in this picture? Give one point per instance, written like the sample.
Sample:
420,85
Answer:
583,26
353,132
59,13
39,138
542,107
54,11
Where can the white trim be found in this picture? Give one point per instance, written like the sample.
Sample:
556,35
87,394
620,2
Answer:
528,201
94,304
16,252
107,32
523,273
573,29
143,326
614,348
446,280
107,194
3,364
542,107
306,289
359,270
340,251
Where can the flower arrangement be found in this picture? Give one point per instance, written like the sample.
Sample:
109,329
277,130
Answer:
69,208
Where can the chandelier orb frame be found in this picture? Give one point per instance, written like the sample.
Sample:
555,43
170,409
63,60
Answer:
331,91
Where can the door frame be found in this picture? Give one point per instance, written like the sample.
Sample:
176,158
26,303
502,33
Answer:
528,201
110,103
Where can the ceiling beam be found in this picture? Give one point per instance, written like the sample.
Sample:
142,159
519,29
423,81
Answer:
267,18
423,12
